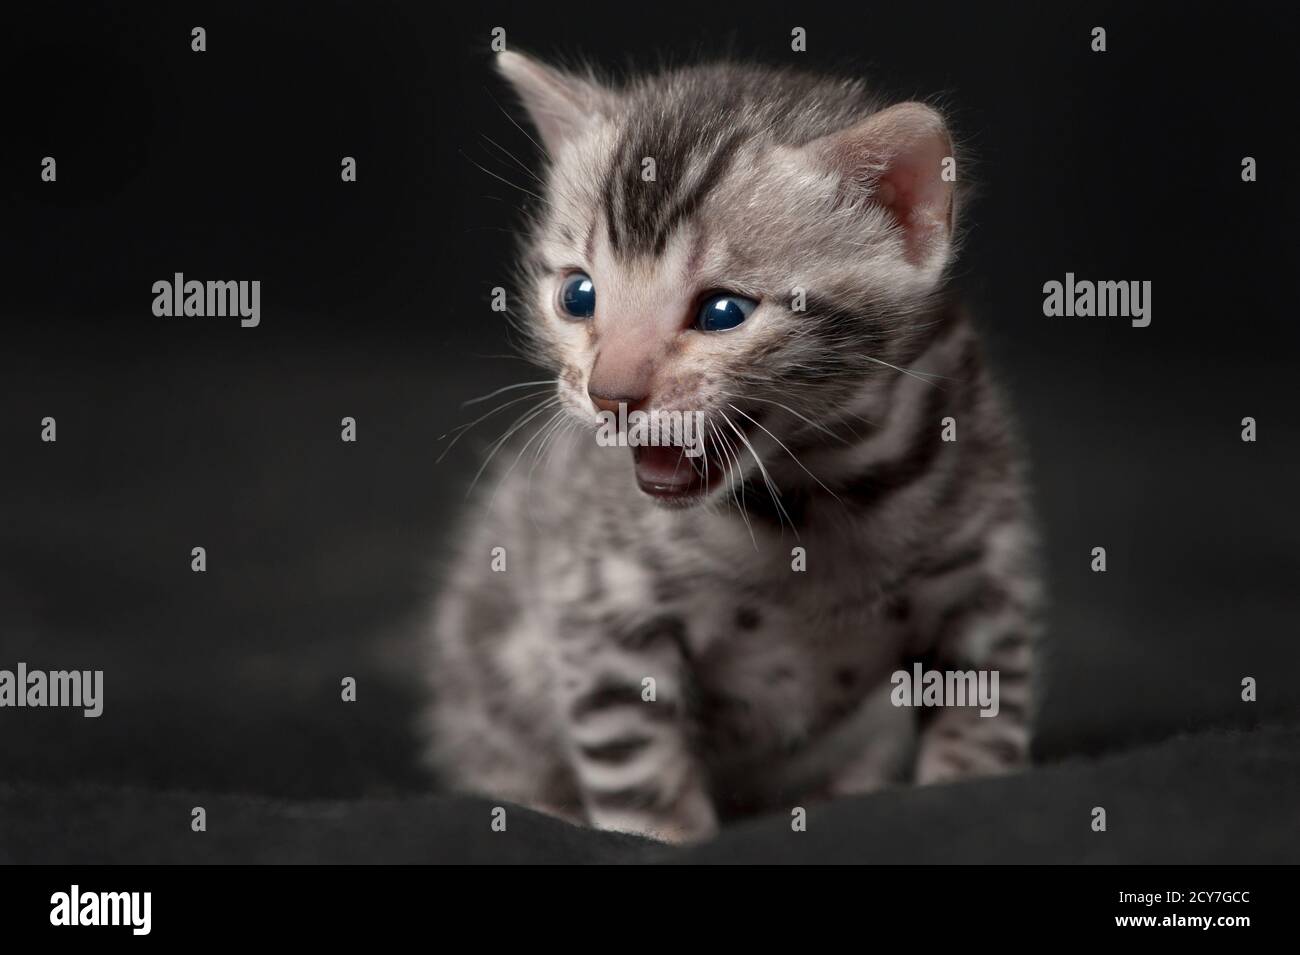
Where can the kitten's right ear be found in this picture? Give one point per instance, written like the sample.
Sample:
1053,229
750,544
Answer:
560,105
895,159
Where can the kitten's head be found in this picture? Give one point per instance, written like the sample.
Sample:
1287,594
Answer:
746,243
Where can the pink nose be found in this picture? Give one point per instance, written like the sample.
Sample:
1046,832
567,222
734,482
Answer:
610,403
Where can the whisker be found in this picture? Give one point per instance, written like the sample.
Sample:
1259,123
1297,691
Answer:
500,442
512,185
522,451
557,424
732,475
802,417
499,391
461,430
514,158
560,424
921,376
772,489
507,115
789,452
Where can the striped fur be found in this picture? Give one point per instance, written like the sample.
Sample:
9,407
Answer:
658,669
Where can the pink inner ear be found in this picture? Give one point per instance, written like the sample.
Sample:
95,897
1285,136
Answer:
912,188
897,157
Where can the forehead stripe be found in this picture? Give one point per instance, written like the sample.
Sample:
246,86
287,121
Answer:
717,167
641,215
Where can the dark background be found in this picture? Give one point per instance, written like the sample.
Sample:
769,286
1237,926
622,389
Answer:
322,555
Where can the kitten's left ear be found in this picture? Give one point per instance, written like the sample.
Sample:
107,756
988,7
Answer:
895,158
560,105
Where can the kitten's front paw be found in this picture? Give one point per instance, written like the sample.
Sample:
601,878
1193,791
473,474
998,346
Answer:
691,819
938,765
685,833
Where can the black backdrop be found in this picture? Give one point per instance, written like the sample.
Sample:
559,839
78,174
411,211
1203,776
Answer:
181,432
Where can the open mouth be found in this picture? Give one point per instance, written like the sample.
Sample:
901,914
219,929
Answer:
666,473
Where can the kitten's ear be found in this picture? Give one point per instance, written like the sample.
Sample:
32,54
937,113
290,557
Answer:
895,158
560,105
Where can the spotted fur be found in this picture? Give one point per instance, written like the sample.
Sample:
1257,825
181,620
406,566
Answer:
660,668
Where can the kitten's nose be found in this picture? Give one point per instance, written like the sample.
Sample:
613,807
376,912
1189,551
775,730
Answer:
610,403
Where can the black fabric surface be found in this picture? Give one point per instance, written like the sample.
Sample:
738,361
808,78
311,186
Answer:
1217,797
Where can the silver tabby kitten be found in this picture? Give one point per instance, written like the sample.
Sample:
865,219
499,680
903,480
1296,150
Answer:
679,640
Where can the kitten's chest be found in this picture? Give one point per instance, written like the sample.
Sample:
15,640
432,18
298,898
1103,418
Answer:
783,637
781,648
775,667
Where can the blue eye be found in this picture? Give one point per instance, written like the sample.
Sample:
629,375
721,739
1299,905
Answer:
721,312
578,296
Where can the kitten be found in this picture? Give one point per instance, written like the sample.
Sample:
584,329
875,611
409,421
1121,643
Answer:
677,640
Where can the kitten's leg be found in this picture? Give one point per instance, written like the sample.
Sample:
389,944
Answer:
488,728
989,624
880,748
629,738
